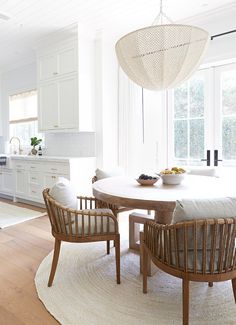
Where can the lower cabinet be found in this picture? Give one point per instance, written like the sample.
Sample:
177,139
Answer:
50,179
6,180
27,178
21,186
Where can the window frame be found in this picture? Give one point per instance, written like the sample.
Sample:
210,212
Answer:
212,114
23,120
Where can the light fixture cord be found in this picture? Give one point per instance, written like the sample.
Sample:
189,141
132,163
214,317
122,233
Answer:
160,16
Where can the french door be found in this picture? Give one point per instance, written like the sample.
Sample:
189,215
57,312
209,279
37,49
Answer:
202,119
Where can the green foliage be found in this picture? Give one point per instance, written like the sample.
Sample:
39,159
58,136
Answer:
35,141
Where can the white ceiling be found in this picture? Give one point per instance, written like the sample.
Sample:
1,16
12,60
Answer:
32,20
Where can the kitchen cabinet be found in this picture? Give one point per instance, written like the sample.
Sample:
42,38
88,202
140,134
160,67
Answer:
30,175
59,62
65,81
21,188
58,104
6,180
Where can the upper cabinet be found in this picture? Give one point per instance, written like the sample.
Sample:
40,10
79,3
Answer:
59,63
59,104
60,107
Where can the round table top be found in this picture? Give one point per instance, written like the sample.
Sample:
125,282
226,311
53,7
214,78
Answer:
127,192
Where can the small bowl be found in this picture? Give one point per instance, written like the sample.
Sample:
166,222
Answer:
172,179
147,181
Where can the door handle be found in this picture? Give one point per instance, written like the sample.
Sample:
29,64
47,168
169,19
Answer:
216,158
208,159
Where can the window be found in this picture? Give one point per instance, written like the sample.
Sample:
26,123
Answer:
202,116
189,121
23,119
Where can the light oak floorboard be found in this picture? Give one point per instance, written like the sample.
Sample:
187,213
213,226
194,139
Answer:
22,248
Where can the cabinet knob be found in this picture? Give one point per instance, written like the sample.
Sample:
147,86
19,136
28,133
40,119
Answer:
55,126
55,73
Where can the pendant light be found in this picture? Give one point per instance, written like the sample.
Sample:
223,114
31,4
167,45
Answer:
161,56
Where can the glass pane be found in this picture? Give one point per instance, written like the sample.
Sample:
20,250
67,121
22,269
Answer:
25,131
23,105
181,139
228,84
196,95
196,139
181,101
229,138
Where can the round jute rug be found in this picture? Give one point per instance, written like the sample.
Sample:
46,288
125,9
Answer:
85,292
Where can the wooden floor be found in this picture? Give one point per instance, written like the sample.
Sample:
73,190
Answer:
22,248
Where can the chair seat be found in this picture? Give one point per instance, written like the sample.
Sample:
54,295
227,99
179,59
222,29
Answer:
92,225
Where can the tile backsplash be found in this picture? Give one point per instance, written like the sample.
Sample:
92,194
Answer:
70,144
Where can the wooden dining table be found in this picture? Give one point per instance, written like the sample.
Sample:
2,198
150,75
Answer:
126,192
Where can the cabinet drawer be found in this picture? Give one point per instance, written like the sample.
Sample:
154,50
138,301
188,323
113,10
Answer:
51,179
57,168
20,165
34,166
35,178
35,191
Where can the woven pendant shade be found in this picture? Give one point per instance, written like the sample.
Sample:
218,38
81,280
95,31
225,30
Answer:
161,56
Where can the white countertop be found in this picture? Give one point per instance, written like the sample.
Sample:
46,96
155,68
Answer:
41,158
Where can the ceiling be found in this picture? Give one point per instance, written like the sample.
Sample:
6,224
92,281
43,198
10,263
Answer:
32,20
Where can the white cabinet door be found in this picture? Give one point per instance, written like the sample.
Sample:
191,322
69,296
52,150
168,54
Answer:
58,63
58,104
21,182
68,103
67,60
8,181
48,106
47,66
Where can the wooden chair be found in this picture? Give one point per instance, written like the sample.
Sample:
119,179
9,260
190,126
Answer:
88,224
135,221
199,250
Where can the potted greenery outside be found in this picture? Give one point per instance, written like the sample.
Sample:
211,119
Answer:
35,142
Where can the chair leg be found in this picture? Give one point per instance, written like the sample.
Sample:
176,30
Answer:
117,253
185,301
234,288
108,247
57,246
145,267
210,284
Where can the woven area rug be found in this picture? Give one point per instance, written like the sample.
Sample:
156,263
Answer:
85,292
11,214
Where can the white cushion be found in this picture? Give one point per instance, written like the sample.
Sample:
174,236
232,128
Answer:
202,171
105,173
188,209
64,193
96,225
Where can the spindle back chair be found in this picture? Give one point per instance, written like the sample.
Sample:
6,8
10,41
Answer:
87,224
198,250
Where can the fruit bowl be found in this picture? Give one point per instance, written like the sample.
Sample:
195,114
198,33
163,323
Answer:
146,180
173,176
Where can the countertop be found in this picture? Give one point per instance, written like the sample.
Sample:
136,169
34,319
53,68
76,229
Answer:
42,158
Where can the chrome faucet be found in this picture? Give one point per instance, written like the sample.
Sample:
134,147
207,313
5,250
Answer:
19,146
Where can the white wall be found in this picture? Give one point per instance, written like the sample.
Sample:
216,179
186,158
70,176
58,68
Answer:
106,102
217,22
